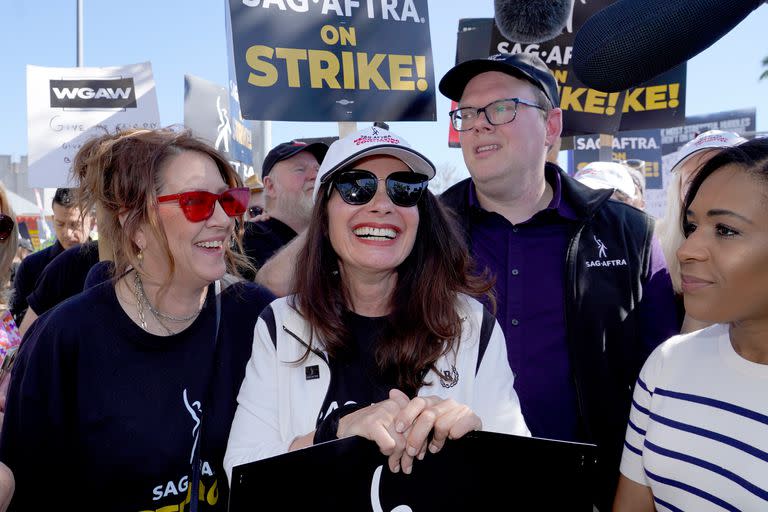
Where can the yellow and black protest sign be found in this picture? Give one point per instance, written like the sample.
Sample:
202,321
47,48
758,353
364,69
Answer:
333,60
658,103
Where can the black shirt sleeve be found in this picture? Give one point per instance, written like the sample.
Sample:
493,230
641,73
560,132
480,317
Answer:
26,277
63,277
261,240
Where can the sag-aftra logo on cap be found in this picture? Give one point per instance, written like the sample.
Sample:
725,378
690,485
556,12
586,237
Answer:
376,138
117,93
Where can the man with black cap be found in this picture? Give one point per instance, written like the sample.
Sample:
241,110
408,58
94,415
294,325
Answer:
288,174
582,287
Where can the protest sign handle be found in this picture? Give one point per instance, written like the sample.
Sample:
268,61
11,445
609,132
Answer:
606,147
346,127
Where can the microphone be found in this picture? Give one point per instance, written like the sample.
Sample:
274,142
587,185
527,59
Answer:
632,41
532,21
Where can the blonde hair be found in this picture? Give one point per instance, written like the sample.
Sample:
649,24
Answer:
669,230
8,249
122,174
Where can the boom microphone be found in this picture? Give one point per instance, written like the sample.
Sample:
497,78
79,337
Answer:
632,41
532,21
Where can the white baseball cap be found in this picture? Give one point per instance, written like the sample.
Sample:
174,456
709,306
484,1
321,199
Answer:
366,142
614,175
711,139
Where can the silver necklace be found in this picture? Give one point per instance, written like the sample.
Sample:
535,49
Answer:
139,287
141,300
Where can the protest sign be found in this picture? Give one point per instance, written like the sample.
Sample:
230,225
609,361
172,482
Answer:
352,474
655,104
67,106
642,145
208,114
302,60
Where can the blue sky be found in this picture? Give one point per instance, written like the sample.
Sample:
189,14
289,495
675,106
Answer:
187,37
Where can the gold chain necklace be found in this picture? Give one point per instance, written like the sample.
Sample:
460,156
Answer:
159,314
141,301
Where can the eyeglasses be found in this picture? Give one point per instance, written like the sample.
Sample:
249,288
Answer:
358,186
497,112
198,205
6,226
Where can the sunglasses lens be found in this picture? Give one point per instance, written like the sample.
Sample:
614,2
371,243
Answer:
6,226
235,201
356,187
406,188
197,205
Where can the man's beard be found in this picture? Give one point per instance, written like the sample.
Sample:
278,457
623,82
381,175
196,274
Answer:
296,204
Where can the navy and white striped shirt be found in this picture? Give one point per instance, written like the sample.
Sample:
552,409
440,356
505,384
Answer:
698,429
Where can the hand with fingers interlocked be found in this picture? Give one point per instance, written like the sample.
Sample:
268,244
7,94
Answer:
404,429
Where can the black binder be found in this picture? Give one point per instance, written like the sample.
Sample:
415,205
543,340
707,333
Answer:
481,471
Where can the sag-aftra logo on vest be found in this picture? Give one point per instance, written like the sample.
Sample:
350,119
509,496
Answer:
602,257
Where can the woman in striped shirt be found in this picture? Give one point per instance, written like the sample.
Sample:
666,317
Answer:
697,437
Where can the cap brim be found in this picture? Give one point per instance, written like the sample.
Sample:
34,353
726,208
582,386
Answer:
600,184
687,157
318,150
455,80
412,159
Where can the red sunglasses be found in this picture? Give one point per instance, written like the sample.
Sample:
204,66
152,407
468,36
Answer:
198,205
6,226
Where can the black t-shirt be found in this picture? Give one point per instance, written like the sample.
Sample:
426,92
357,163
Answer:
27,275
102,415
63,277
355,378
100,272
261,240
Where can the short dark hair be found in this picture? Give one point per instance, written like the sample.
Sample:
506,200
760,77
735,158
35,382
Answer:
64,197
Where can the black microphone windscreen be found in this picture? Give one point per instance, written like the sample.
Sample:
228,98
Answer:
632,41
531,21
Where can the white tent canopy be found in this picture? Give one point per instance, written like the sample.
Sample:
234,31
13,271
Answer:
24,207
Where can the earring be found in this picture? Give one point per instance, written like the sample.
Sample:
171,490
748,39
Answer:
140,257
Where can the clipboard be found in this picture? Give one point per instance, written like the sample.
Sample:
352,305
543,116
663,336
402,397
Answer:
481,471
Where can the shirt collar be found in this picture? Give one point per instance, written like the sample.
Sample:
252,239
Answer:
558,205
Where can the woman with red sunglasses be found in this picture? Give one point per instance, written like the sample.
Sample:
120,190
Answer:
383,337
122,396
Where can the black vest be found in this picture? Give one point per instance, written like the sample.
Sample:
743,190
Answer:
607,262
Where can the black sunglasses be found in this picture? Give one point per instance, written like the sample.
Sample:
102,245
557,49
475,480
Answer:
358,186
6,226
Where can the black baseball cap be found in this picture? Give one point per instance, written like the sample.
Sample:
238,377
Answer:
288,149
526,66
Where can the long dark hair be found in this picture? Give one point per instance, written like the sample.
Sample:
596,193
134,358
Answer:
752,156
423,323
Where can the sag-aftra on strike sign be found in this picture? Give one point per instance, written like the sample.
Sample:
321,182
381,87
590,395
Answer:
333,60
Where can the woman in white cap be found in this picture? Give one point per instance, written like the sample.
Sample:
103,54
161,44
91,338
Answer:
697,437
382,319
689,159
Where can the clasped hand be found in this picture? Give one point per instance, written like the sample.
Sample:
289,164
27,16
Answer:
401,426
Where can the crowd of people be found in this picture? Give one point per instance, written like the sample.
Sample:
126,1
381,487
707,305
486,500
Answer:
216,323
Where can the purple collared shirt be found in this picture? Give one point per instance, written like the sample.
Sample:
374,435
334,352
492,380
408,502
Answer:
528,261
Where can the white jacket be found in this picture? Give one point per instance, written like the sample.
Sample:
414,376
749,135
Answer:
278,402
